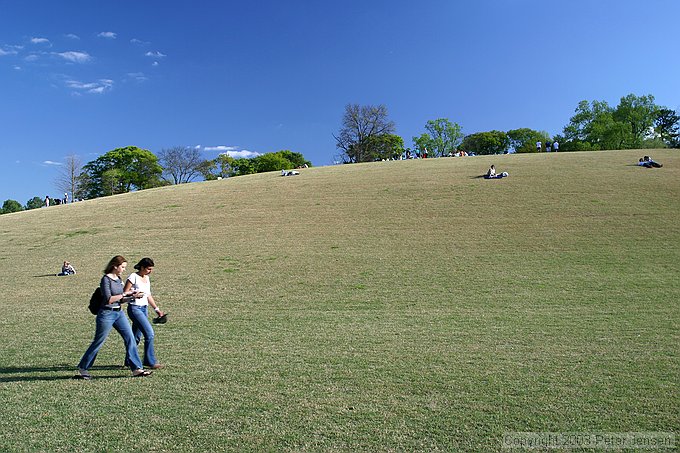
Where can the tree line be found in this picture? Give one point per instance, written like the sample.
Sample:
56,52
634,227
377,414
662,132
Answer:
367,134
131,168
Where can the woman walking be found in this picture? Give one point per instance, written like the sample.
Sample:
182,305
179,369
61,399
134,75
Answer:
140,283
111,315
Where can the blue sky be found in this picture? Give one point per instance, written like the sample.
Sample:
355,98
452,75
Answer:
85,77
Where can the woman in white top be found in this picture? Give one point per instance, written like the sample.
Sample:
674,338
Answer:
137,310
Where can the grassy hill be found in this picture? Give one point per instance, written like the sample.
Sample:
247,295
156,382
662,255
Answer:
385,306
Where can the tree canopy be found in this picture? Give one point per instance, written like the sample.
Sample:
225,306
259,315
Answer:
11,206
491,142
637,122
121,170
442,138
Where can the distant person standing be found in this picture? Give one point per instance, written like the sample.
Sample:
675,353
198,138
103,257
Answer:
556,146
547,147
538,146
65,200
47,201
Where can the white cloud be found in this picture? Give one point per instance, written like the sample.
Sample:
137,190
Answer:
7,52
221,148
49,162
233,151
41,41
98,87
31,57
75,57
155,54
72,36
243,153
155,63
139,42
18,68
138,76
107,35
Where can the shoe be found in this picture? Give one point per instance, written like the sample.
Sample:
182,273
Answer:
156,366
141,373
83,374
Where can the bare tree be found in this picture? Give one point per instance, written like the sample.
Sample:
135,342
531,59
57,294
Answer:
359,124
68,178
180,164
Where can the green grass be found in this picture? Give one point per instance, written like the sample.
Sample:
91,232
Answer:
403,306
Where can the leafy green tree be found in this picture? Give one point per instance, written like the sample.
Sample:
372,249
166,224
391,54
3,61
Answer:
359,124
635,115
34,203
385,146
524,140
121,170
442,137
271,162
11,206
596,125
243,166
666,125
296,159
491,142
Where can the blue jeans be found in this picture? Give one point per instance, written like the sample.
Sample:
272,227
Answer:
142,326
106,319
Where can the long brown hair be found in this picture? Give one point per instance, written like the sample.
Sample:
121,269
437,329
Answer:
115,262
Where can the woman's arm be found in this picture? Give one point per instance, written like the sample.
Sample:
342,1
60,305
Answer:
154,305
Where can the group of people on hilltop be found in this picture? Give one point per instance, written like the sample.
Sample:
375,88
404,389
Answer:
56,201
554,146
136,292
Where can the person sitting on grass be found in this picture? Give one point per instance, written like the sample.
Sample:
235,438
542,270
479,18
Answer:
67,269
491,174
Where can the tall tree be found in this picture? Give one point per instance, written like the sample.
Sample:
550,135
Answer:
666,125
11,206
121,170
524,140
68,178
491,142
180,163
359,124
636,115
442,137
34,203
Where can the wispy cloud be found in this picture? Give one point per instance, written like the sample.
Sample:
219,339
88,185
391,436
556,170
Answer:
31,57
139,42
18,68
75,57
98,87
232,151
155,63
49,162
137,76
72,36
221,148
41,41
107,35
155,54
4,52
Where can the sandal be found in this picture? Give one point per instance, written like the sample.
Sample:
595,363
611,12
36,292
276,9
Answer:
141,373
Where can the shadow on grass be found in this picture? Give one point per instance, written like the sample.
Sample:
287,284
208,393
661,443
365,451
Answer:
27,374
45,275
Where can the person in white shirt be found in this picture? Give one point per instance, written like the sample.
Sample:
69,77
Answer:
137,310
556,147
